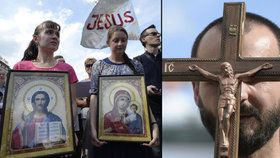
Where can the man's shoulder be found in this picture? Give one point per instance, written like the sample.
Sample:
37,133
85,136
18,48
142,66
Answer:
139,57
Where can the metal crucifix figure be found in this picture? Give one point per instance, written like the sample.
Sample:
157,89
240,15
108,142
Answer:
228,83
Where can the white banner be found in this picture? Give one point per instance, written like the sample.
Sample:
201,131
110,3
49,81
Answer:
107,13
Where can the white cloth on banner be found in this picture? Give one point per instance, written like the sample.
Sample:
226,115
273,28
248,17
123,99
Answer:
107,13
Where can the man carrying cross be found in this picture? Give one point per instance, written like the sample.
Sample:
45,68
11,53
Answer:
259,102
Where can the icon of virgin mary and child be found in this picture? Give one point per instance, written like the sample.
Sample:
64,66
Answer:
123,118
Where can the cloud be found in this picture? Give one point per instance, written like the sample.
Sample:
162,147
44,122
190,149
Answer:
91,1
40,2
17,31
73,52
147,11
175,21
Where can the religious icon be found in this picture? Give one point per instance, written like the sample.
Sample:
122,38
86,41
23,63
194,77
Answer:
123,111
39,126
37,117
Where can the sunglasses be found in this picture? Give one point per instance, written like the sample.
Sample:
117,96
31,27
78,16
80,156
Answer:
88,65
153,34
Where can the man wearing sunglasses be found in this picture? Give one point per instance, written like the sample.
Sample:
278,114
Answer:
83,107
151,61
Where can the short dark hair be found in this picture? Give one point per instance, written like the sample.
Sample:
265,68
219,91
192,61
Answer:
143,33
251,18
58,56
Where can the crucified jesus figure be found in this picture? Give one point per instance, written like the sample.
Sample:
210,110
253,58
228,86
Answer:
228,83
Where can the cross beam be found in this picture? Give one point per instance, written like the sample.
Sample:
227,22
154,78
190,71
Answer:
177,69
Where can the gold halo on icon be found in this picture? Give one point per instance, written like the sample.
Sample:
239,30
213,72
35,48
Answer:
39,87
121,86
139,109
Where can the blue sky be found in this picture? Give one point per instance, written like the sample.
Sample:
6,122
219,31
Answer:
18,20
183,20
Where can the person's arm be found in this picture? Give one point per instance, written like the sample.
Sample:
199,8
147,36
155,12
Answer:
93,121
204,73
155,132
73,80
73,95
252,72
82,102
153,90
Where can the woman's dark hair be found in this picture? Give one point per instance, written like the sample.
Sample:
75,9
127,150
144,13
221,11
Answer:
127,60
31,51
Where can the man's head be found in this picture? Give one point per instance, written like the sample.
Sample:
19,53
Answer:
227,69
260,102
40,101
150,36
59,58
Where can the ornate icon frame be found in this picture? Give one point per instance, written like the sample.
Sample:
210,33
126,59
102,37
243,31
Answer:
108,88
21,86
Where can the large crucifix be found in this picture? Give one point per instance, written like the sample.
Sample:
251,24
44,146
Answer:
263,69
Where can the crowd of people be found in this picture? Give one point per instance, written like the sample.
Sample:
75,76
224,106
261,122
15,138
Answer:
39,55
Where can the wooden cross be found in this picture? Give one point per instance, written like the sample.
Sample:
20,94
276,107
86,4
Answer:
233,21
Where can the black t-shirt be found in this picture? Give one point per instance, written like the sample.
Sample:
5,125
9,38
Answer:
152,71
